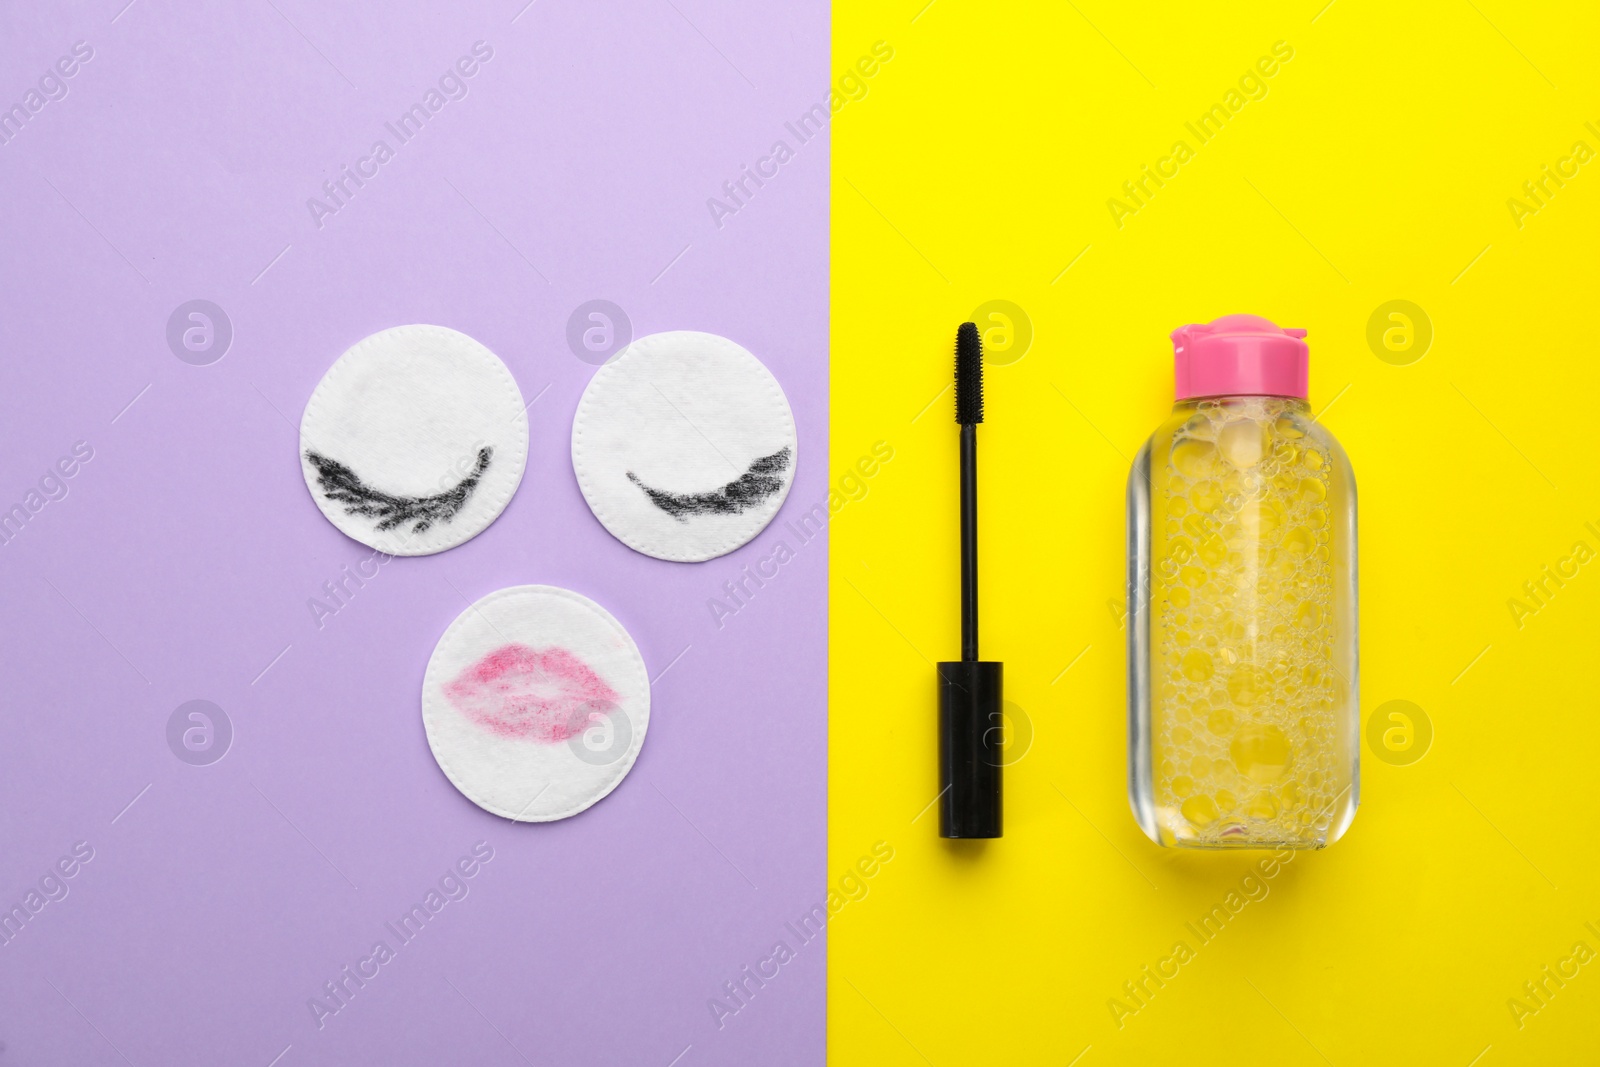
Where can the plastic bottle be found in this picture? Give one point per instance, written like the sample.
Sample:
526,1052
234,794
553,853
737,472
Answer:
1242,662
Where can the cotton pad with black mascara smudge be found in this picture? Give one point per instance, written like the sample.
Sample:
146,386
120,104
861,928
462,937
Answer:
684,446
536,702
415,440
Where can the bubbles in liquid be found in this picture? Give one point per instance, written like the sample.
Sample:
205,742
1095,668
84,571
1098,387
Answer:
1259,519
1243,442
1260,753
1201,811
1299,541
1193,458
1247,686
1246,698
1197,666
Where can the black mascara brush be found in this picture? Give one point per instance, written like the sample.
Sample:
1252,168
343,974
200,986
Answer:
970,692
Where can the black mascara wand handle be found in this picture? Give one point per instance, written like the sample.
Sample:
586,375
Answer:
970,690
969,543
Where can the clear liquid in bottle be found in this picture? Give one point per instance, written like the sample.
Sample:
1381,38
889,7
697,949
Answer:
1243,659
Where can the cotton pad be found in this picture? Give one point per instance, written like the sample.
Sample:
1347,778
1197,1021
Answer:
414,440
536,703
684,446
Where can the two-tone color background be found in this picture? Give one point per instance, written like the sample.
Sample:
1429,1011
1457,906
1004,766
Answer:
975,156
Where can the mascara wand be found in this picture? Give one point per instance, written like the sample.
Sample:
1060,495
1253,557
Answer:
970,689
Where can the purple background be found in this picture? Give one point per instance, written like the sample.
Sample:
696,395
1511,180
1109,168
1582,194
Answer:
181,561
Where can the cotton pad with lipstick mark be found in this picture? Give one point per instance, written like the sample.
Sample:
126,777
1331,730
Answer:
684,445
414,440
535,702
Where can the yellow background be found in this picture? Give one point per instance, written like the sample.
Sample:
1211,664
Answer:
1378,167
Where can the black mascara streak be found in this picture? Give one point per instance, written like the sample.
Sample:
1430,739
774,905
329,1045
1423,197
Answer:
341,483
743,493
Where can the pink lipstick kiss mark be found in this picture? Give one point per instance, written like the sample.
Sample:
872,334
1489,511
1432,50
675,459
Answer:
521,692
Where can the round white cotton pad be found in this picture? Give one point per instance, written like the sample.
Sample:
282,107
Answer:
684,446
414,440
536,703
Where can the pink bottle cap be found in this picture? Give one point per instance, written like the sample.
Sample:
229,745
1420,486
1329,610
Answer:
1239,355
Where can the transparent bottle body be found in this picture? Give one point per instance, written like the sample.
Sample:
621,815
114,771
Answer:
1243,697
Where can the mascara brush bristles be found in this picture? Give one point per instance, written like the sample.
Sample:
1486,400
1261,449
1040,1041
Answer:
969,375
